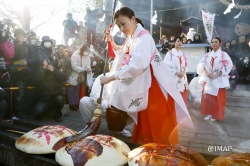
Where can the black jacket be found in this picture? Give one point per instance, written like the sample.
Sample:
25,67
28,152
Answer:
70,27
42,54
32,58
242,50
49,84
197,41
21,52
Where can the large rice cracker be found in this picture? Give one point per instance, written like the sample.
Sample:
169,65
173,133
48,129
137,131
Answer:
93,151
42,139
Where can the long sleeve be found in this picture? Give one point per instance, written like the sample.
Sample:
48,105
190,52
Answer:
68,68
201,66
227,64
7,49
169,61
32,56
140,58
75,64
96,89
186,62
60,77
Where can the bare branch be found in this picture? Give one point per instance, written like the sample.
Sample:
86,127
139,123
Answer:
49,18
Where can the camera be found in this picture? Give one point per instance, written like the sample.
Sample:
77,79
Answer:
49,63
5,30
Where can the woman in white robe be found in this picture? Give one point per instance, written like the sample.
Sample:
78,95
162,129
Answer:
178,65
143,85
213,69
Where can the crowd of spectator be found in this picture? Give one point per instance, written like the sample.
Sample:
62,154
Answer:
27,61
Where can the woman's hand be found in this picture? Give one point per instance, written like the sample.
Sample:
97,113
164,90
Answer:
111,40
24,63
87,70
214,76
109,37
204,71
180,75
106,80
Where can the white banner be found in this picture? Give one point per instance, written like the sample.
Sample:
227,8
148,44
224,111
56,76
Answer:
208,21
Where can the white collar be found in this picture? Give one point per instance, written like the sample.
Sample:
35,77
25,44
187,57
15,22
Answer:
138,29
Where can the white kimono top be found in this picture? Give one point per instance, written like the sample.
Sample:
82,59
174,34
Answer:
214,62
177,62
130,90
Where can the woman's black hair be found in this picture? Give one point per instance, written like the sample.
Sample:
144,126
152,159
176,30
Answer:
125,11
186,40
139,21
217,39
84,48
176,38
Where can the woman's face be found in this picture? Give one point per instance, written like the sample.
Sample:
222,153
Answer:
184,40
215,44
227,45
178,43
233,42
197,37
126,25
233,67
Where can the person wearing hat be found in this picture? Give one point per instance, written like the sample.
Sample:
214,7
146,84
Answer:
20,71
45,50
70,27
91,22
49,82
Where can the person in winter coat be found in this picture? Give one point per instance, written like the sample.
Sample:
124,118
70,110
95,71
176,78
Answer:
6,54
80,62
21,72
32,48
241,51
197,39
49,82
63,62
45,50
70,28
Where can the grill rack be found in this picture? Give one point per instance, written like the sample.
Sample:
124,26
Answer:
10,156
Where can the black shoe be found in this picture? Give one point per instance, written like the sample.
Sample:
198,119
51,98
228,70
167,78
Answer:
73,108
58,119
76,106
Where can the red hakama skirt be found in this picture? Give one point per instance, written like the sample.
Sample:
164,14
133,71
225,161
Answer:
214,105
158,122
